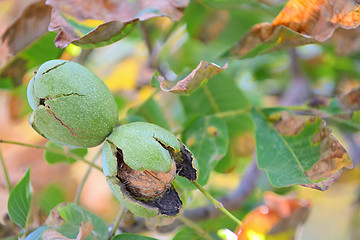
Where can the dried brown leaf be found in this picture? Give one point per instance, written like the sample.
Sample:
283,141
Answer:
203,72
84,231
325,184
51,234
54,219
289,124
319,18
31,24
351,100
215,23
333,156
103,22
15,70
265,37
346,42
313,20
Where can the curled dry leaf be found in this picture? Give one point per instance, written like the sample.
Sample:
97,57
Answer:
54,219
203,72
214,24
265,37
332,155
319,18
50,234
98,23
346,41
279,215
351,100
85,230
29,26
313,20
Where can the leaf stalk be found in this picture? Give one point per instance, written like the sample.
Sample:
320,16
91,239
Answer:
217,204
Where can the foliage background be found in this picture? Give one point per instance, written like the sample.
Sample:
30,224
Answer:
206,31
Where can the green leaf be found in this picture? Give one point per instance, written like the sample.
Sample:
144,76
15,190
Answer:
228,19
220,96
71,215
36,235
294,149
89,34
188,233
208,140
51,196
53,158
346,124
130,236
151,111
19,201
38,52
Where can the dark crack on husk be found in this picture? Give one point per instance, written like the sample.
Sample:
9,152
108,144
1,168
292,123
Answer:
53,68
185,167
168,203
184,160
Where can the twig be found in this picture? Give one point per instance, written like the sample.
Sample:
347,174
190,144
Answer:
298,90
354,148
82,183
153,50
54,151
234,200
6,175
118,219
85,52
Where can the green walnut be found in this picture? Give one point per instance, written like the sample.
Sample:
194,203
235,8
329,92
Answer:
72,106
140,162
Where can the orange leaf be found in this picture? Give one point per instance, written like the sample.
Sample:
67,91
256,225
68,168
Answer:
319,18
300,22
279,214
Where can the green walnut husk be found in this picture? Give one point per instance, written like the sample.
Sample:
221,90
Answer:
140,160
72,106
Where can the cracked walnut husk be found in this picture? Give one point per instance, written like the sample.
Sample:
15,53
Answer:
140,162
72,106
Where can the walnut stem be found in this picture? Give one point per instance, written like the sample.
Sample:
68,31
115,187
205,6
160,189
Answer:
216,203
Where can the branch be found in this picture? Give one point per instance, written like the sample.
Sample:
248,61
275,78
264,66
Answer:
298,90
354,148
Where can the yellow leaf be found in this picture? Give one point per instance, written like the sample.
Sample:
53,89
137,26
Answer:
125,74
